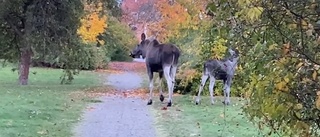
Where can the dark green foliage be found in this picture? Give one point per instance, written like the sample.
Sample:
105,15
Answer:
119,40
114,7
39,27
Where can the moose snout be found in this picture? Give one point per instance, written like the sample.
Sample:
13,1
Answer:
131,55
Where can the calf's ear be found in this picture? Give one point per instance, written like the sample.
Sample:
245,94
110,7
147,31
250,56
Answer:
143,36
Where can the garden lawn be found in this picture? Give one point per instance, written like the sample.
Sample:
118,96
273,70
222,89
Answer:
206,120
44,107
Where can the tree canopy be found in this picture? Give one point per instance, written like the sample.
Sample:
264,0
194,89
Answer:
52,31
279,70
42,27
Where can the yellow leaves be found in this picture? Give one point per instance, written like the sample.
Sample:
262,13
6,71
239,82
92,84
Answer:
93,24
302,125
298,106
283,84
245,3
286,79
292,26
101,42
249,88
318,100
318,40
272,47
305,80
254,13
282,62
219,48
173,18
249,12
299,65
304,24
286,48
314,75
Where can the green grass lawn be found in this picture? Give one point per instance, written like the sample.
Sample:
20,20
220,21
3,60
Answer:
44,107
206,120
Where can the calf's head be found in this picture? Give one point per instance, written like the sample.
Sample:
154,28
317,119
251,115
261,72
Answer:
234,53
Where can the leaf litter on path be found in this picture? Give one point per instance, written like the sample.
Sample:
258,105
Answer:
127,66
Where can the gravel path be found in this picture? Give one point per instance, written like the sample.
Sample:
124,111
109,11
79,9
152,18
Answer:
118,116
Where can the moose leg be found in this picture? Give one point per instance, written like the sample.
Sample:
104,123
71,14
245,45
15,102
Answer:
227,85
173,72
203,82
166,70
160,86
150,73
211,86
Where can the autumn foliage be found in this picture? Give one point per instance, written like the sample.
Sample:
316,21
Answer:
173,17
93,23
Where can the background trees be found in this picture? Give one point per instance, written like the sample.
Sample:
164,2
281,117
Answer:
45,32
29,27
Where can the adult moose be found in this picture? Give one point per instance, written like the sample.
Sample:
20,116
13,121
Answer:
219,70
161,58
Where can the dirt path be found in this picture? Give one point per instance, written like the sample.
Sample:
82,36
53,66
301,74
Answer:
118,116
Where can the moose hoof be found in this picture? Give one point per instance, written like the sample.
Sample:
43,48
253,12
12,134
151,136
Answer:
161,98
197,103
149,102
225,103
169,104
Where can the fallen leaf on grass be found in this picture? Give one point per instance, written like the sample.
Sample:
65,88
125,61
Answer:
125,94
194,135
43,132
164,108
222,115
90,108
198,124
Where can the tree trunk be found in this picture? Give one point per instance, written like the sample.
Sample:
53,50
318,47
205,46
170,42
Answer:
24,65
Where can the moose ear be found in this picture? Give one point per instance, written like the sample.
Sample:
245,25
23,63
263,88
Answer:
143,36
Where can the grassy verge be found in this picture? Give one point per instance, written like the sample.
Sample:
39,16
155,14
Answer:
44,107
187,119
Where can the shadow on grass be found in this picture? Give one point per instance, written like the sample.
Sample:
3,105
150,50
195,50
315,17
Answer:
187,119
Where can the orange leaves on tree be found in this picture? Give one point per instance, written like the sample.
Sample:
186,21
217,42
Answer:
92,24
173,18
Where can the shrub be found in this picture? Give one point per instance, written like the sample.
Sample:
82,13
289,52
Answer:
89,58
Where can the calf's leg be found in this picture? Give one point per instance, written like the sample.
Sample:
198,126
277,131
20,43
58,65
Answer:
226,88
211,86
203,82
